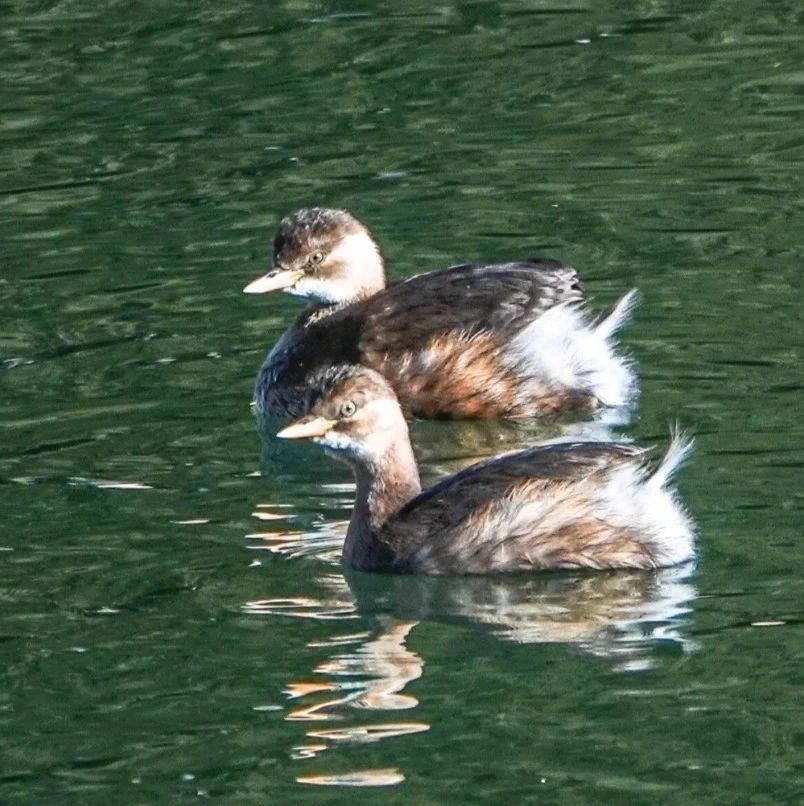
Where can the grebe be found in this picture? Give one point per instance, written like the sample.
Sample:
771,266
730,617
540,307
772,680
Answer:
578,505
470,341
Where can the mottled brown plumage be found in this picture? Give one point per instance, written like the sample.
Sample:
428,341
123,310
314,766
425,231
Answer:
443,339
559,506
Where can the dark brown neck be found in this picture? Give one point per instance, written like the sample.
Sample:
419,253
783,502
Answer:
316,311
383,487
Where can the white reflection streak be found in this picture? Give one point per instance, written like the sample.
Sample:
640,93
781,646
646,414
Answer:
338,605
382,777
324,542
302,607
110,484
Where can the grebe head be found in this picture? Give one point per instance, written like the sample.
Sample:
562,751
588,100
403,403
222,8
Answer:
353,413
325,255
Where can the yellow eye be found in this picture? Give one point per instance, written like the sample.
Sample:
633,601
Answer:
316,257
348,408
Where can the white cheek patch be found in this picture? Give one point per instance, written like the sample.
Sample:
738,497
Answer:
323,290
360,268
341,443
357,251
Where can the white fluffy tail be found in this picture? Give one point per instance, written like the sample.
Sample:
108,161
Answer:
680,448
651,507
565,348
619,315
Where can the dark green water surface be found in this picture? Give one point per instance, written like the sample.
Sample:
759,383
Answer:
174,623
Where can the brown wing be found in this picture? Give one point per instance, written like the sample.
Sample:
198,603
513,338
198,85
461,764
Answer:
517,512
466,299
438,337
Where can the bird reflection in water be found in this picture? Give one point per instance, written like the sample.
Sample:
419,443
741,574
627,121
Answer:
367,671
620,616
369,677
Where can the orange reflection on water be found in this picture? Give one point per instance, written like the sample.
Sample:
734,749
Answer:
295,690
385,660
619,616
390,663
370,677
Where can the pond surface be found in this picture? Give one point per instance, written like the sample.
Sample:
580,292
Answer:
175,623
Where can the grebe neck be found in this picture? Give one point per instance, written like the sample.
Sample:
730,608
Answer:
384,485
362,267
355,271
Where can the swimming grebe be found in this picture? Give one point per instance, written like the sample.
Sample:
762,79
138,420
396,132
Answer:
470,341
590,505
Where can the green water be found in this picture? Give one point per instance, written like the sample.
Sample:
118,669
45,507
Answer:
164,637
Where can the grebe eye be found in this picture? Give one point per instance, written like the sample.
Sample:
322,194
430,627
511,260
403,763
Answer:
316,257
348,408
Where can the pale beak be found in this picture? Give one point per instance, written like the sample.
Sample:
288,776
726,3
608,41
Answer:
275,280
307,428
